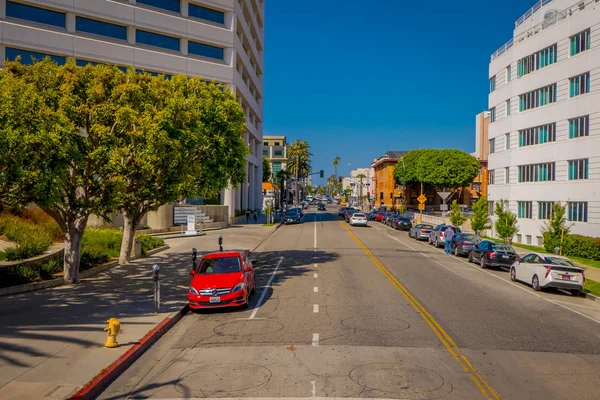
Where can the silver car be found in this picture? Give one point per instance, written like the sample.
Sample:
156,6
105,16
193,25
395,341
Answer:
420,231
436,237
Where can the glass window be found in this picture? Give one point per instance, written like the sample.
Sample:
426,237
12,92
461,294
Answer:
580,42
545,209
492,146
493,114
205,50
492,83
29,57
577,212
524,209
507,107
507,141
170,5
537,98
156,40
579,127
508,74
579,84
537,172
35,14
153,73
537,60
101,28
222,265
537,135
207,14
491,177
578,169
506,174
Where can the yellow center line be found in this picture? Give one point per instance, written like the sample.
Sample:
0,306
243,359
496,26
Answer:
441,334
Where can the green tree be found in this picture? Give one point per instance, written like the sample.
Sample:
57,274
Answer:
480,219
298,163
347,193
311,189
332,184
282,176
506,222
66,117
456,216
556,229
336,162
177,138
266,169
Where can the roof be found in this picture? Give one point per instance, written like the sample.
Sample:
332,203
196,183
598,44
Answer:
389,156
228,253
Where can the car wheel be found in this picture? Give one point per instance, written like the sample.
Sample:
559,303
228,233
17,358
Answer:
513,274
456,251
482,263
535,283
471,256
576,292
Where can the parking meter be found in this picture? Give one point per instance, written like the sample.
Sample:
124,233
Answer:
194,257
220,243
155,277
155,272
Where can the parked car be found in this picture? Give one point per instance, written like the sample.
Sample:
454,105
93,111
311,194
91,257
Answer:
222,279
379,216
463,243
491,254
402,223
358,218
292,216
543,271
349,214
420,231
436,237
321,207
388,217
341,211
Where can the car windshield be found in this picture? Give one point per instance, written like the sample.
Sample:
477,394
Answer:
559,261
359,215
425,226
467,236
502,247
222,265
291,214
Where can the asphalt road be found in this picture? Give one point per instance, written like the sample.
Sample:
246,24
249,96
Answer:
369,313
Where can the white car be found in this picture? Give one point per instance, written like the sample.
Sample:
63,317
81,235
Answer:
358,219
543,271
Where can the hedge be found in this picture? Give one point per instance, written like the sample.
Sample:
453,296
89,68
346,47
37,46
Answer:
582,246
31,238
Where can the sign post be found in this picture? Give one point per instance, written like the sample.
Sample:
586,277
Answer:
422,199
191,225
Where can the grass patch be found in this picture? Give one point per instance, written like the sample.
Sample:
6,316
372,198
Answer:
2,256
592,287
32,236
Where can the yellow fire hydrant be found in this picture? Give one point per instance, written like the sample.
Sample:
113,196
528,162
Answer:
112,330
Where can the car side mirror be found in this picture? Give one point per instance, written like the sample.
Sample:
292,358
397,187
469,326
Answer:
193,272
248,268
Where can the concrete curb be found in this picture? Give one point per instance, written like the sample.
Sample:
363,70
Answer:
97,385
30,287
590,297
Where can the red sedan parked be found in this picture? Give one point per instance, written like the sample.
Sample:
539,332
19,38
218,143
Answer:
222,279
379,216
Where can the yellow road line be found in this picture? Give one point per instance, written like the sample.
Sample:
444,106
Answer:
441,334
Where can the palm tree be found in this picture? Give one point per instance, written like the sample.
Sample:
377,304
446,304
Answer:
332,183
282,177
298,164
336,162
361,176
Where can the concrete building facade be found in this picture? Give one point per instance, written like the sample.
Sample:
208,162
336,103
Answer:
482,152
218,40
275,149
544,133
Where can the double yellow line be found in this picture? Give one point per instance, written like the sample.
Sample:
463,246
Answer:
441,334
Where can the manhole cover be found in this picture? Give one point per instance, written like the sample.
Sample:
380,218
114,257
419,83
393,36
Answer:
379,324
223,380
401,380
248,328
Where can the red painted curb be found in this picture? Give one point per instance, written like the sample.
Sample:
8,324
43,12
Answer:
97,385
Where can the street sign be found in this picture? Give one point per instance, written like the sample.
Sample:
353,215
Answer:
422,199
421,207
443,207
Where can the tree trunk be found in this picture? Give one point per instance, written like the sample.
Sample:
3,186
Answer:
73,235
131,221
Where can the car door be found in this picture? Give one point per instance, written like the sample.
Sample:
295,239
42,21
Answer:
536,266
526,268
250,274
520,267
478,251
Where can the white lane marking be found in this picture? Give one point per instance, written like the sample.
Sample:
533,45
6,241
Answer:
316,265
316,275
314,388
315,243
316,289
264,293
315,341
315,308
514,284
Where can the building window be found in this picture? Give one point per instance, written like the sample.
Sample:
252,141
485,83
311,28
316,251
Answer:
492,83
577,212
170,5
507,107
207,14
491,177
492,146
277,144
579,127
545,209
579,84
537,172
205,50
266,152
493,114
537,98
537,135
580,42
101,28
278,153
276,167
508,74
507,175
578,169
29,57
524,209
490,207
35,14
537,60
507,141
265,143
156,40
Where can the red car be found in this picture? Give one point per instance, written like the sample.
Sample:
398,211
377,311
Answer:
222,279
379,216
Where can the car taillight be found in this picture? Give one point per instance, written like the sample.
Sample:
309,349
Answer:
491,254
423,231
441,234
548,269
464,243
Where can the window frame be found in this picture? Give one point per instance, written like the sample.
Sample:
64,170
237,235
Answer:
60,60
154,46
192,6
545,209
200,45
42,11
159,7
579,169
577,211
95,21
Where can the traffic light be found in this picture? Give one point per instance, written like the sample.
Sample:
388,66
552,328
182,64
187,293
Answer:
341,179
321,174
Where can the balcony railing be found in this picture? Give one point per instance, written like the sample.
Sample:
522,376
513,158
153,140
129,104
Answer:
532,11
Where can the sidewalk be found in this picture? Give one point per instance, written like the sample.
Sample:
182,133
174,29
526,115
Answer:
52,341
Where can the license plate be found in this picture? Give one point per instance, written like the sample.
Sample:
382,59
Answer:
567,277
215,299
505,257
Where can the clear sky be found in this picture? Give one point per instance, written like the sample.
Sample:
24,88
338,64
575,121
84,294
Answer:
358,78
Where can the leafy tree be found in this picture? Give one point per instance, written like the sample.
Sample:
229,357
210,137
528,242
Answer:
266,169
347,193
506,223
177,138
480,219
456,216
336,162
298,163
311,189
556,229
65,117
282,176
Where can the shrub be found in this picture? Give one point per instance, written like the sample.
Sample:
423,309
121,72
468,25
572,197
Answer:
109,239
582,246
31,239
150,242
48,269
18,275
93,254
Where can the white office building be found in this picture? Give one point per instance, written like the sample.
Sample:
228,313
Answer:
218,40
544,132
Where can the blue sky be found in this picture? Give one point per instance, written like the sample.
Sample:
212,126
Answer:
356,79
